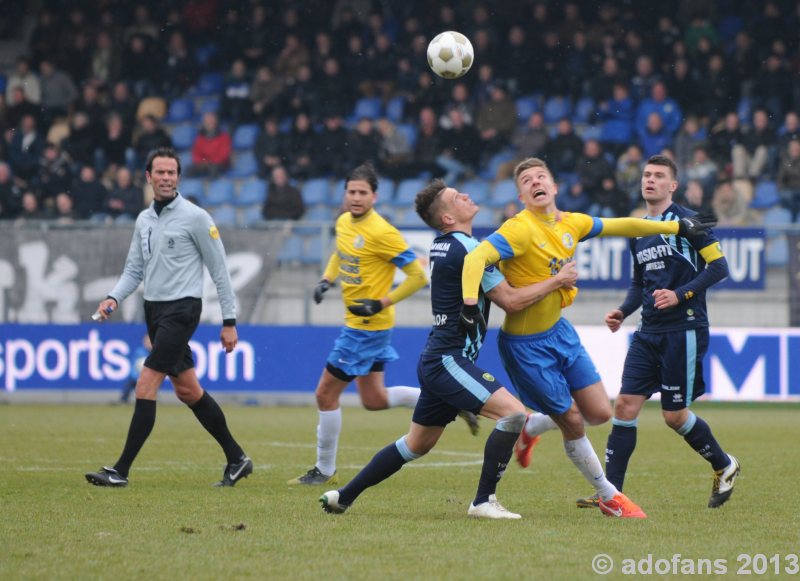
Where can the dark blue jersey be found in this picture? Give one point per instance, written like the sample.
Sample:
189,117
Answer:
446,263
674,263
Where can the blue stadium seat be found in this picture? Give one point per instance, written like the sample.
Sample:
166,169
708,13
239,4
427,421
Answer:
292,249
369,107
407,191
489,171
616,131
180,110
765,195
556,108
224,215
183,136
220,191
244,166
394,109
312,250
192,187
526,106
244,137
410,131
592,132
252,215
315,191
504,192
744,110
318,214
208,105
410,219
386,189
252,192
208,84
204,53
485,219
584,110
477,189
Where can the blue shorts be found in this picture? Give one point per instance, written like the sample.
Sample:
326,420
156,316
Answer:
671,363
449,384
355,351
545,368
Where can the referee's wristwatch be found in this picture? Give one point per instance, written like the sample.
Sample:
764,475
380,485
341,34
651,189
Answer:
229,322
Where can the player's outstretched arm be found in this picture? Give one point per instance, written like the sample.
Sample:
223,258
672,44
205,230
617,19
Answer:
479,258
689,227
414,281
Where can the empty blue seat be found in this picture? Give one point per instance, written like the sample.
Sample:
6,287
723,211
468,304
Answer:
526,106
208,105
252,215
744,110
477,189
180,110
394,109
386,189
244,137
485,219
592,132
584,110
407,191
489,172
292,249
504,192
192,187
312,250
410,131
244,166
765,196
369,107
410,219
315,191
224,216
251,192
556,108
208,84
183,136
220,191
616,131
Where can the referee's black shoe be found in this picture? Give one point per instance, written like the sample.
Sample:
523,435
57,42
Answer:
233,473
107,477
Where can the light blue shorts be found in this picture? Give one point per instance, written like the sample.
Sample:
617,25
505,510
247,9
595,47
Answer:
356,352
545,368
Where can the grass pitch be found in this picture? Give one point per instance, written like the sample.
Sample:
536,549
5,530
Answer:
171,523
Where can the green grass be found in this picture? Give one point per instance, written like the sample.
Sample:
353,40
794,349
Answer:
170,523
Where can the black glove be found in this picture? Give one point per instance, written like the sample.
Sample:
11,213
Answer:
366,307
696,226
472,321
319,290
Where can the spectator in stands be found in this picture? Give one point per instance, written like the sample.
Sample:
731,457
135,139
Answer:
284,201
90,103
459,99
45,36
58,91
757,152
81,143
212,149
682,86
330,98
659,102
54,175
528,140
601,86
78,56
646,76
270,150
363,143
237,108
789,132
106,58
265,92
702,169
620,107
723,139
293,55
123,103
788,181
731,204
25,149
301,96
301,148
331,146
628,173
89,194
696,198
19,107
115,144
125,200
564,149
64,211
773,86
690,136
179,71
26,79
495,121
716,88
10,194
609,200
654,137
593,168
150,135
257,36
461,149
395,154
137,64
30,208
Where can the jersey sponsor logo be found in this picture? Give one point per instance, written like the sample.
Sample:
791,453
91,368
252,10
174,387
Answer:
359,242
439,320
213,232
653,253
488,376
670,387
567,240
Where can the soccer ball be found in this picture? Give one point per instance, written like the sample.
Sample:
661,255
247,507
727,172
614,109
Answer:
450,54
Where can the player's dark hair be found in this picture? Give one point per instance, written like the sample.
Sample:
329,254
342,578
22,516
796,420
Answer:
428,203
162,152
364,173
528,164
666,162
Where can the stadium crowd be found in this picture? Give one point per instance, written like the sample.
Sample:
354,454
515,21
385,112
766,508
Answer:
309,90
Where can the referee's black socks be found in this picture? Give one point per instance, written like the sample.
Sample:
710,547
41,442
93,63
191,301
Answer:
210,415
142,422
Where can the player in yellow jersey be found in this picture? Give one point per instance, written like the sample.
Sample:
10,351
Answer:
541,351
368,251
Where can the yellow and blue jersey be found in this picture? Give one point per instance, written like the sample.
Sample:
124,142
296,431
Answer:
368,250
533,248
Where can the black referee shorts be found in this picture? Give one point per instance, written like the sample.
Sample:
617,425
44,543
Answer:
171,325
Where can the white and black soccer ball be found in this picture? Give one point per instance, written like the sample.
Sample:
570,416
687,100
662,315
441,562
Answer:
450,54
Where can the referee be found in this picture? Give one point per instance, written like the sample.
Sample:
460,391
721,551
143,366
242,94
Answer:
172,241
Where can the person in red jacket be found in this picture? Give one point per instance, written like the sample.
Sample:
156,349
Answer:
211,151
